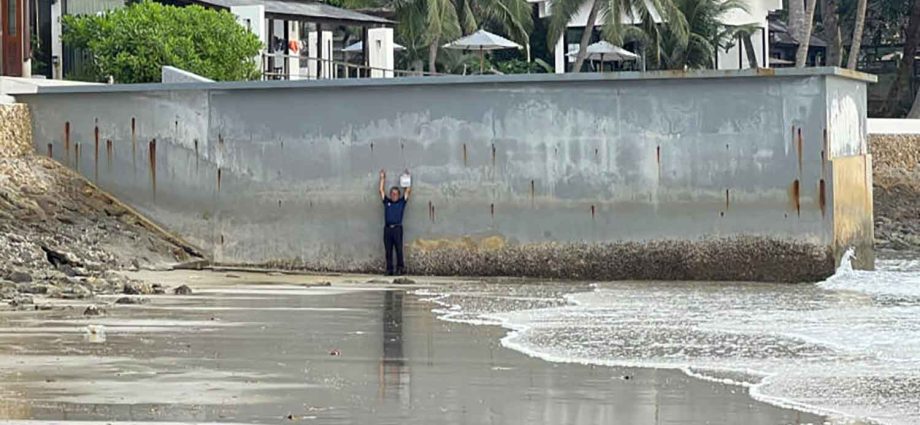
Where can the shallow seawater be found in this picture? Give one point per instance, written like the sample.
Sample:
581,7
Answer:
848,347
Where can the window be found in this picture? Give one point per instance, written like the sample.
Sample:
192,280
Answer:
11,17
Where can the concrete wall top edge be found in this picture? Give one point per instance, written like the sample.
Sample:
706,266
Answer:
477,79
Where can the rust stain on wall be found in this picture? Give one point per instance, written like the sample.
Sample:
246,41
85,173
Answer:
67,139
493,155
218,178
822,197
50,151
727,198
492,210
794,194
464,155
96,152
152,154
533,192
134,143
109,154
592,212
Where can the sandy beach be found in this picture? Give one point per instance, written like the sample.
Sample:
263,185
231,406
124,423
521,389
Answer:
255,348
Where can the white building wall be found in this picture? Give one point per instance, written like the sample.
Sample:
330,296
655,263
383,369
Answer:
756,14
380,52
324,53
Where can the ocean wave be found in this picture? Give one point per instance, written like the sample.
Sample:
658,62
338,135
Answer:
848,347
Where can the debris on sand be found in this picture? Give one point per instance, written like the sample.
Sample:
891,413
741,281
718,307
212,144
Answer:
92,310
403,281
182,290
130,301
94,333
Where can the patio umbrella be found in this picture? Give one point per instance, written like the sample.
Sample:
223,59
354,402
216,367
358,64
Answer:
604,51
482,40
359,47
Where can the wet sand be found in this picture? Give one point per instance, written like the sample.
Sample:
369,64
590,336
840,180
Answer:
253,348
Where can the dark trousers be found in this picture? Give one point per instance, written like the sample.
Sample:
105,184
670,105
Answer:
392,241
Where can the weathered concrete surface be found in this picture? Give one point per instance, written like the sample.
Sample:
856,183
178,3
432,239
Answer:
558,173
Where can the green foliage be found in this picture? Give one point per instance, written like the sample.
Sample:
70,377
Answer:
612,13
132,44
426,22
706,34
518,66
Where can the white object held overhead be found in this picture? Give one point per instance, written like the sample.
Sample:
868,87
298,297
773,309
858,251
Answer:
405,180
604,51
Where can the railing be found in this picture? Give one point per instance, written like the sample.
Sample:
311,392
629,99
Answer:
277,66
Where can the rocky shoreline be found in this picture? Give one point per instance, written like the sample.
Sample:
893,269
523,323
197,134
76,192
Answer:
896,191
61,237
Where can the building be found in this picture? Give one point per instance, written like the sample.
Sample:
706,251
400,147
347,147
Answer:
783,46
15,45
736,57
302,39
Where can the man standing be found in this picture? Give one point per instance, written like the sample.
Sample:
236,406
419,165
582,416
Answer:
394,206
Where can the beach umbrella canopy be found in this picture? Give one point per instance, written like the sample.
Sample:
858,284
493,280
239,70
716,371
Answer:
604,52
359,47
482,41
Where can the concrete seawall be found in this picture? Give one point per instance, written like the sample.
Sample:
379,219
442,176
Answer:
711,175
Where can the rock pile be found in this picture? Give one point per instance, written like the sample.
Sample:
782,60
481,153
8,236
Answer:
59,235
896,190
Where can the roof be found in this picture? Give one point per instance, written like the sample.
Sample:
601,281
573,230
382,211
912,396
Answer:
308,10
779,34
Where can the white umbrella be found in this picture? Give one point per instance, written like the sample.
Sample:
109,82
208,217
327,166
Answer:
482,40
359,47
604,51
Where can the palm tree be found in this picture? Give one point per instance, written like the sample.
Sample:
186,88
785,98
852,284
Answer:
429,23
706,34
612,13
858,25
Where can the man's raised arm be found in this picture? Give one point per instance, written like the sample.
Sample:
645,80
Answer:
383,177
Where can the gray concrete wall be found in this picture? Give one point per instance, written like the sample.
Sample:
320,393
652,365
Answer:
655,175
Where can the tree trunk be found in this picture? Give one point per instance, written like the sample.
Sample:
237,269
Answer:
796,19
858,26
433,56
907,60
832,33
586,36
804,32
749,50
915,108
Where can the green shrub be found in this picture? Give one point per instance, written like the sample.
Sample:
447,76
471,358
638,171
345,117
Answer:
132,44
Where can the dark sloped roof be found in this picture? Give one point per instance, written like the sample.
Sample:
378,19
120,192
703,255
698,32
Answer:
309,10
779,34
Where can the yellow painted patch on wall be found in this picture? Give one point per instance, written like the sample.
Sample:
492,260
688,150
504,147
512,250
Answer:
853,222
489,243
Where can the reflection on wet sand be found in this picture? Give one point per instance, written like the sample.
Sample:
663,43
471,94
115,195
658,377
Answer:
394,373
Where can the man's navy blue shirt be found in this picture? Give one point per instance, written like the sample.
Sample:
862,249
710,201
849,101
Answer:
394,210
